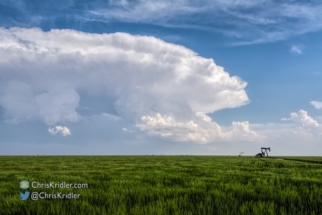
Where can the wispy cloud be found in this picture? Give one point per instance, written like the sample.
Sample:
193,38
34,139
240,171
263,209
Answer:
127,130
246,21
296,50
111,116
250,22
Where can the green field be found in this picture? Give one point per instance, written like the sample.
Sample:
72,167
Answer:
165,185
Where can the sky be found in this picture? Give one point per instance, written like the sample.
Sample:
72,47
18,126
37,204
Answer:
178,77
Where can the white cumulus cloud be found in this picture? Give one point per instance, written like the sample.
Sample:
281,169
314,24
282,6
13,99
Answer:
305,122
316,104
200,129
59,129
45,74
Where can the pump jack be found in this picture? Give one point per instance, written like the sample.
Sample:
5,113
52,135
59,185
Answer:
264,152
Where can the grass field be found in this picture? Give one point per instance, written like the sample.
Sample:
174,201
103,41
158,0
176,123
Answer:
166,185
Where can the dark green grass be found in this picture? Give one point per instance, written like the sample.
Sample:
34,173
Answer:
316,160
166,185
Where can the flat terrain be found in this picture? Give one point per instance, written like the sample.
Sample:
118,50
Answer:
165,185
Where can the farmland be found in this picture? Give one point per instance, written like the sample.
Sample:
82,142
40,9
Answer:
165,185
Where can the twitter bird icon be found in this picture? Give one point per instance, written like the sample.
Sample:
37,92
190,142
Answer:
24,196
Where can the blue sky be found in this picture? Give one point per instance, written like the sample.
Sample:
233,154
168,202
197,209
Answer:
160,77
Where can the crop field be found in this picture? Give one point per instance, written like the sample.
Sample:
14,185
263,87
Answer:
165,185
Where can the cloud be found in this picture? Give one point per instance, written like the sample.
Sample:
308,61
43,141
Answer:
296,50
21,103
242,131
316,104
247,21
305,122
127,130
111,116
45,75
59,129
201,129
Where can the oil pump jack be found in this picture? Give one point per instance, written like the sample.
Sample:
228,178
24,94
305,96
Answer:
264,152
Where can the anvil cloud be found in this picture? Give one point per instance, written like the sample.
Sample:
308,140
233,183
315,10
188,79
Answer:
162,88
